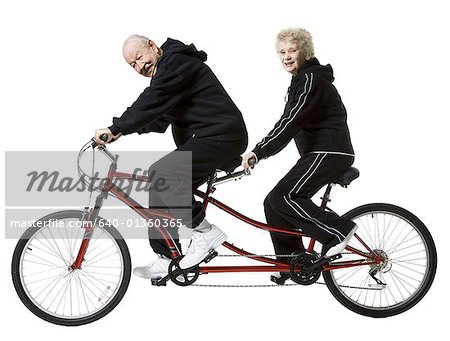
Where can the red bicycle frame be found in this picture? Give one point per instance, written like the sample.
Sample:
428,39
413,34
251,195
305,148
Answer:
368,258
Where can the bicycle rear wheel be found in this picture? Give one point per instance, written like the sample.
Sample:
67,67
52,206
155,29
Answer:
406,273
51,289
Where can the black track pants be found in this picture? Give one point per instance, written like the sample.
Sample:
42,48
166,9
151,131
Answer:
207,156
289,203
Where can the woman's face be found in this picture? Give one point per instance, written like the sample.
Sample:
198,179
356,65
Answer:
290,56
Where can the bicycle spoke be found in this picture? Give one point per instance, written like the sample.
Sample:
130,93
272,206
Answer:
90,254
50,263
63,294
50,245
65,243
393,230
389,289
83,274
409,254
99,260
86,297
55,281
44,264
409,261
410,269
32,247
407,247
395,247
383,241
101,281
394,243
372,244
57,247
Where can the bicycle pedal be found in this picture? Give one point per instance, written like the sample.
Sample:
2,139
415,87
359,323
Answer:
210,256
160,281
279,280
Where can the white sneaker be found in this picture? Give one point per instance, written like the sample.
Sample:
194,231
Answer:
338,248
202,243
158,269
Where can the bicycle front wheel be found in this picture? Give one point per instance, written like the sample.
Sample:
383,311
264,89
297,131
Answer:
47,284
404,276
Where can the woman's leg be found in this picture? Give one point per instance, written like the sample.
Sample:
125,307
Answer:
283,244
291,197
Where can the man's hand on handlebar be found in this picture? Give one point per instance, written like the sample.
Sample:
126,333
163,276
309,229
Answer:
101,141
249,160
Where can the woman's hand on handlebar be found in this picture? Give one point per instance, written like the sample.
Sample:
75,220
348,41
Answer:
104,135
249,160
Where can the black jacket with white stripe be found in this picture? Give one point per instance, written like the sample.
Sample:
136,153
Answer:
314,116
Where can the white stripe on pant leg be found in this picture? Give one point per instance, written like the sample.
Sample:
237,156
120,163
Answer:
318,223
306,173
325,227
312,166
309,176
308,219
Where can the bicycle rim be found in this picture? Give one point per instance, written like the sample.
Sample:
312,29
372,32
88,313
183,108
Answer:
59,291
407,270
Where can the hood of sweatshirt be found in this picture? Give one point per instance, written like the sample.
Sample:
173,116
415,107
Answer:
172,46
313,65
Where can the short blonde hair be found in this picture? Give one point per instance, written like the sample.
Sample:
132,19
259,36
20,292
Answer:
298,36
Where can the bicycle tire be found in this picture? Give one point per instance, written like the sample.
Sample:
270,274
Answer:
394,280
25,249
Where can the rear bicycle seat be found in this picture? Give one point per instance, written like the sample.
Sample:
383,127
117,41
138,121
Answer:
344,179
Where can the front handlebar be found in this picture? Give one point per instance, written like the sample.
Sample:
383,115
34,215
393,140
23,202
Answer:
104,137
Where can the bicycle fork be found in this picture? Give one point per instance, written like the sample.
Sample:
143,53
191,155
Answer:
89,219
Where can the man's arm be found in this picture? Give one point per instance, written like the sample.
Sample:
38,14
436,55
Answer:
159,125
169,87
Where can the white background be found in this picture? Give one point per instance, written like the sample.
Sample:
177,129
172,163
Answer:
62,75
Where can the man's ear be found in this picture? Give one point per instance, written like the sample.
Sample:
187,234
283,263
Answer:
152,45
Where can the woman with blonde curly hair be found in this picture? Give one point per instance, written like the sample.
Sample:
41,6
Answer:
315,117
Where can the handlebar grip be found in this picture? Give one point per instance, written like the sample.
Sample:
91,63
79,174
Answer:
104,137
252,161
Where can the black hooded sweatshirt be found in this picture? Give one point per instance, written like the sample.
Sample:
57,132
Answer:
184,92
314,116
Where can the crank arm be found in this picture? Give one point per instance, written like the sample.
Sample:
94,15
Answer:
318,264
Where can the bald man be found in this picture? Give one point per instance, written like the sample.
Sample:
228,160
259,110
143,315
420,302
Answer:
186,94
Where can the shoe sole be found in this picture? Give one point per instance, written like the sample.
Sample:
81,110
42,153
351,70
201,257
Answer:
157,276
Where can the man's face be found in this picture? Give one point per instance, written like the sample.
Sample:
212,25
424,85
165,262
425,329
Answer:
290,56
142,57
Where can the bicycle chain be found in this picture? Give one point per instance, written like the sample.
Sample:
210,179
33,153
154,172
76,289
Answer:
268,285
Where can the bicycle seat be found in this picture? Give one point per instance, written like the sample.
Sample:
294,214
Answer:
230,166
345,178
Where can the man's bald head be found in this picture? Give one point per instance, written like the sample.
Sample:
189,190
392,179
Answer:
133,41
